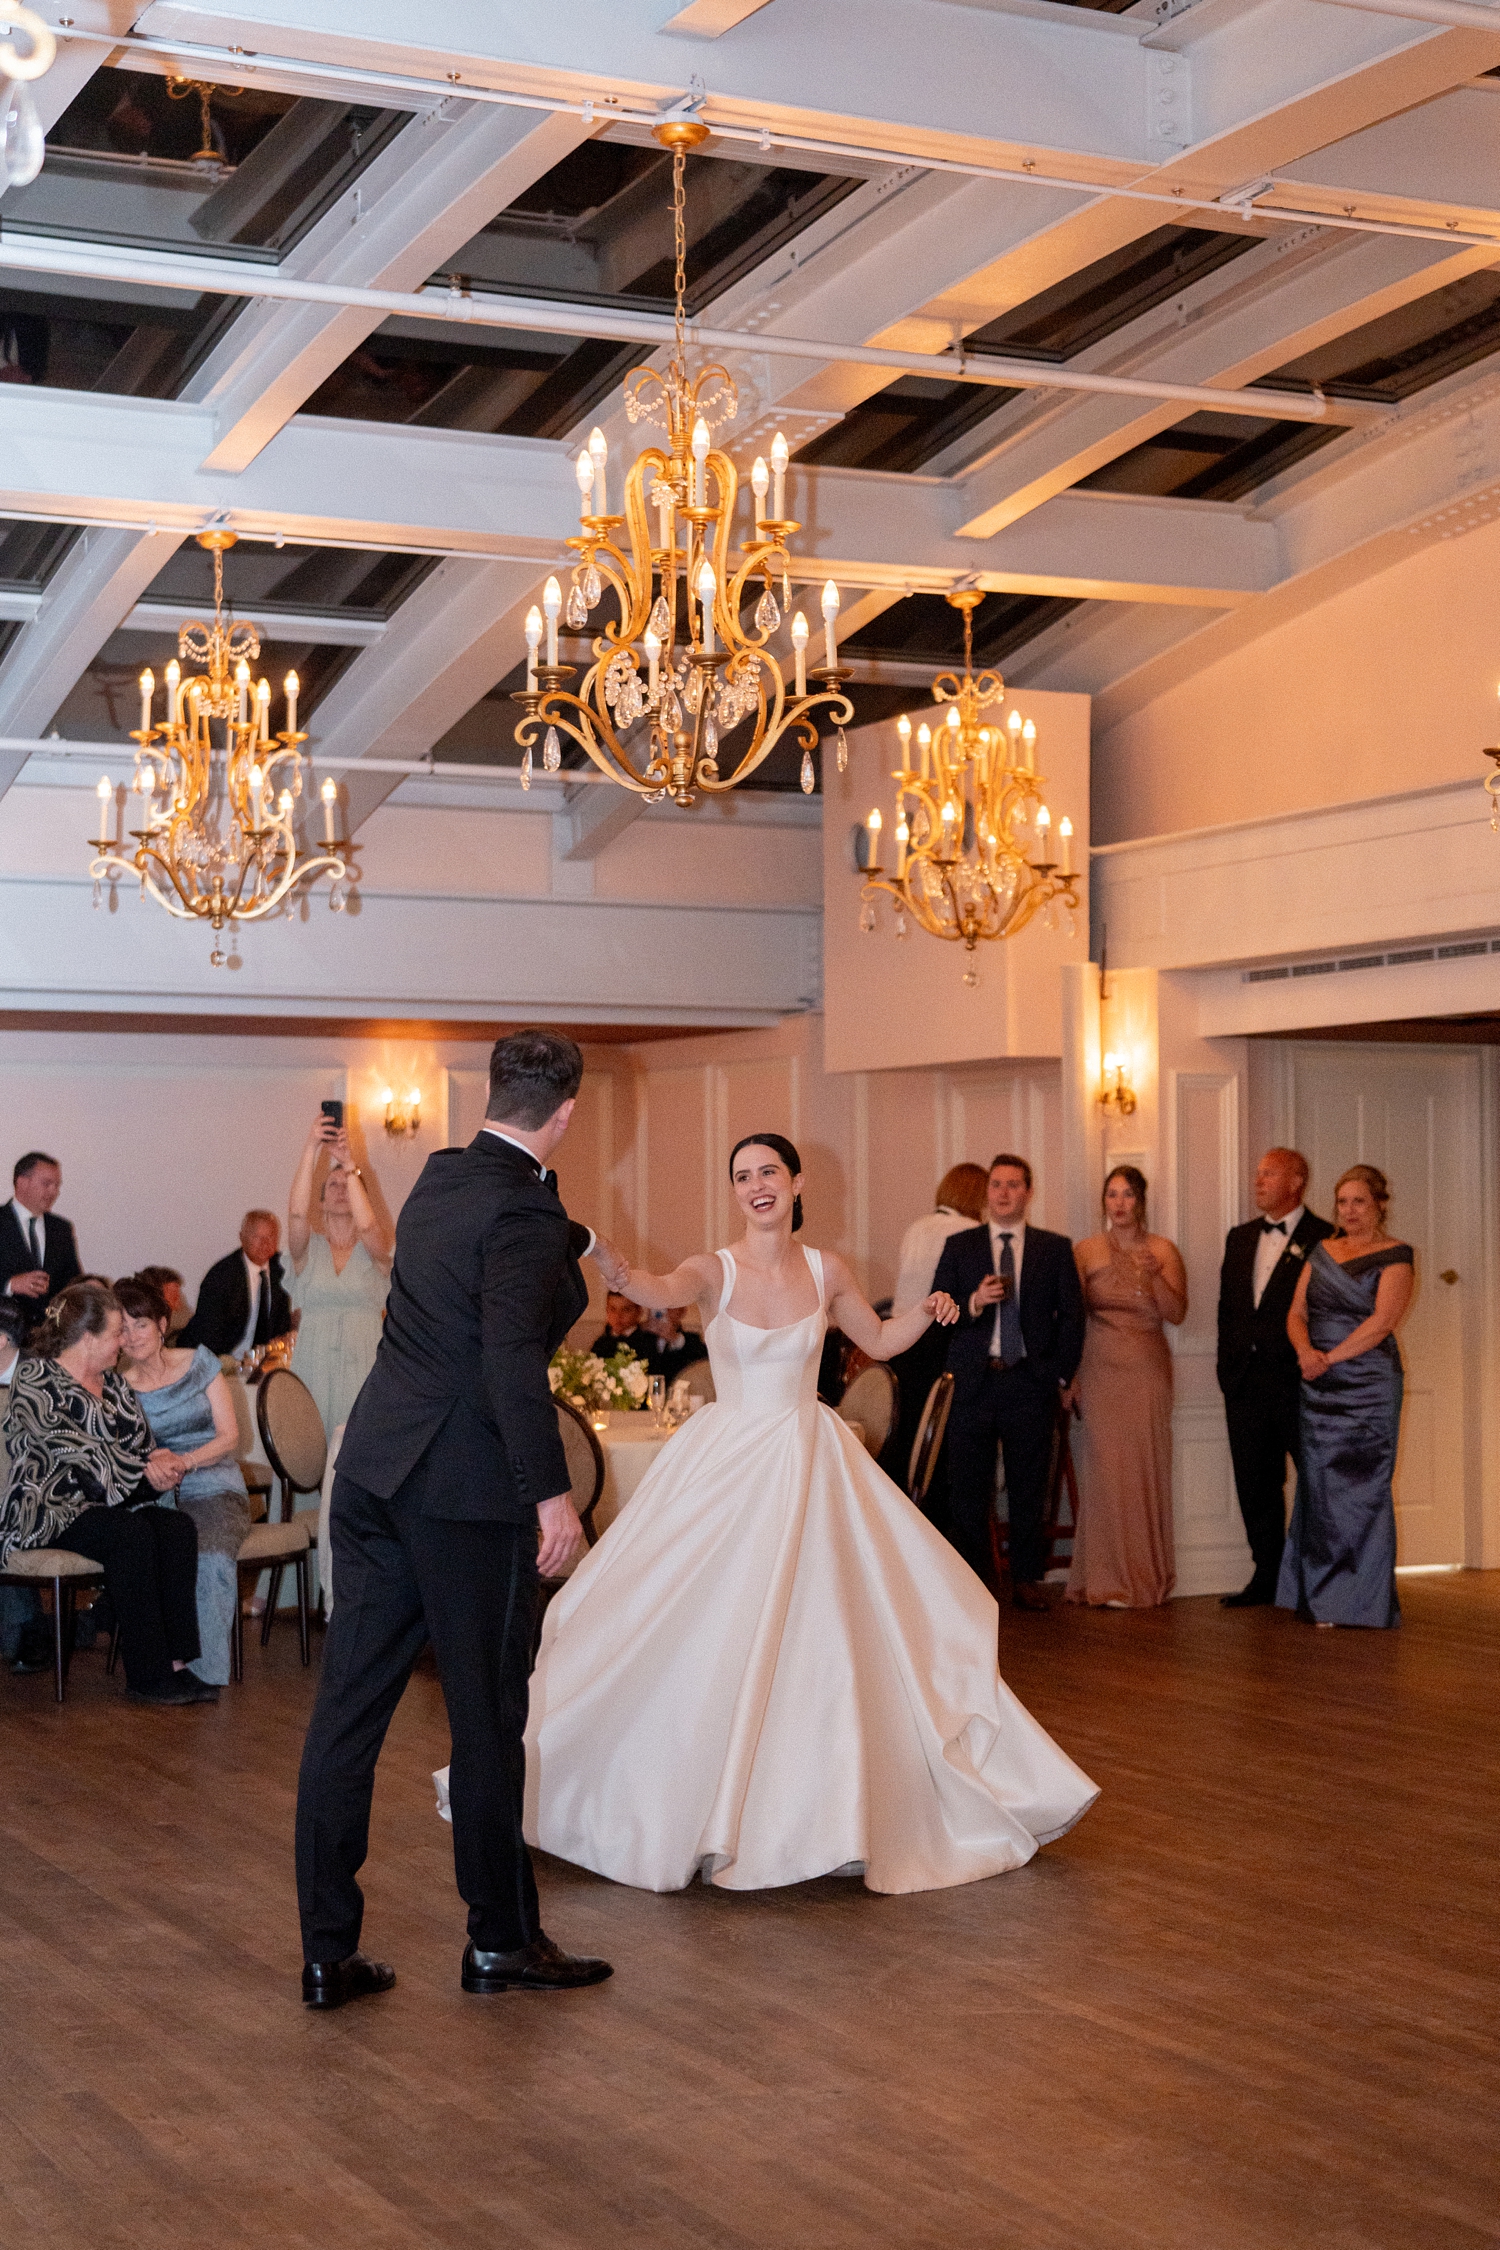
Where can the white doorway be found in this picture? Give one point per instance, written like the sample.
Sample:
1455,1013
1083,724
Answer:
1417,1112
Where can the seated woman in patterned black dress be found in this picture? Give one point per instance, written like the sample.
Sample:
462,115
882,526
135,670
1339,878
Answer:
84,1475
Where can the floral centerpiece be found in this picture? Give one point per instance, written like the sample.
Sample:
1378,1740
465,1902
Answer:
595,1385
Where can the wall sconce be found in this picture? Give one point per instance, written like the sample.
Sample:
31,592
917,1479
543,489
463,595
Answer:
402,1115
1117,1095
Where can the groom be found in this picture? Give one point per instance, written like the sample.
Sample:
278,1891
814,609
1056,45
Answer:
449,1469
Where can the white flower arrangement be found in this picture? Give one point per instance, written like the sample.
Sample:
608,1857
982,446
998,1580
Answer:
596,1385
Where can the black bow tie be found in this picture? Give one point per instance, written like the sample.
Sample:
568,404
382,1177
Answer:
1273,1226
549,1179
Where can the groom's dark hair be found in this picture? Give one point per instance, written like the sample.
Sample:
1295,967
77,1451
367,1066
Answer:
532,1073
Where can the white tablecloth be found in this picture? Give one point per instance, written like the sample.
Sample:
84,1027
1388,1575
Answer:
631,1443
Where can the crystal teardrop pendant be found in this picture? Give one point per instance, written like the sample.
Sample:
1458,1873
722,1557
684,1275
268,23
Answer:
661,621
971,977
577,611
710,736
98,895
809,776
551,750
843,751
900,923
593,586
767,615
867,917
526,769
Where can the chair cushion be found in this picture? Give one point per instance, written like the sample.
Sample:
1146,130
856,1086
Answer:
870,1401
275,1542
50,1562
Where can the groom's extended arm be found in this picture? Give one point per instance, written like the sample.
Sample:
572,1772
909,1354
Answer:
525,1256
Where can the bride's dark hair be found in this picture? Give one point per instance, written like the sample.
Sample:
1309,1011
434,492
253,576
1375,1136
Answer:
788,1155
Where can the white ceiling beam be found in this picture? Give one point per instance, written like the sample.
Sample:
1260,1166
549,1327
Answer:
1252,317
431,191
94,587
710,19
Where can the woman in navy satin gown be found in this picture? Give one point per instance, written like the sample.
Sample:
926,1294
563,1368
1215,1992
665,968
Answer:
1339,1565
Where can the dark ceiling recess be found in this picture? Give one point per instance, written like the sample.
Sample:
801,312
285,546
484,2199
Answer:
916,418
925,629
1224,457
595,230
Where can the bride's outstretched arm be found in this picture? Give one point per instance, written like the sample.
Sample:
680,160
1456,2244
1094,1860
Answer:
697,1280
877,1338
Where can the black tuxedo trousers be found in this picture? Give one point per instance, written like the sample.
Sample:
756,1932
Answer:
402,1576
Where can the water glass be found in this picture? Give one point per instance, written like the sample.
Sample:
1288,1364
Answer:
656,1396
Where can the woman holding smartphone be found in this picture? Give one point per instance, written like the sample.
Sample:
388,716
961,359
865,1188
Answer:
341,1270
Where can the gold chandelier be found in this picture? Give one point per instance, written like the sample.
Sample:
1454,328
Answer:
221,845
969,810
677,671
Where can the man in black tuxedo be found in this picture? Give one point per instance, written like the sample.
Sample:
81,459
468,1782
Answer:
38,1250
1018,1340
450,1466
624,1330
669,1348
243,1300
1258,1371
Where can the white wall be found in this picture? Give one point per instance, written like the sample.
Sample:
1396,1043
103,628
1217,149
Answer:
894,1002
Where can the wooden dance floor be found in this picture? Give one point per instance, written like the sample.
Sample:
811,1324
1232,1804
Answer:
1250,2003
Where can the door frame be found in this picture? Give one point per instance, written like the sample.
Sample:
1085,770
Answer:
1481,1326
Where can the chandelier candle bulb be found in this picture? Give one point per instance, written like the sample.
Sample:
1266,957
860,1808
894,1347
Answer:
760,485
329,794
830,612
903,838
104,793
700,457
903,729
293,688
1028,737
652,645
872,840
173,677
284,804
257,796
799,652
924,744
707,586
552,607
263,710
533,643
148,687
1065,831
585,475
780,455
1043,834
599,453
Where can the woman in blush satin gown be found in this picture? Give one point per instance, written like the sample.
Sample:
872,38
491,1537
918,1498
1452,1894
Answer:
772,1667
1132,1282
1339,1563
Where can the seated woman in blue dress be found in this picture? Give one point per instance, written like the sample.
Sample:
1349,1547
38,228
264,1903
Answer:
1339,1565
187,1404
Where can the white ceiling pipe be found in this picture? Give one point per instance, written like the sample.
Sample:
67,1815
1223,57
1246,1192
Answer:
97,262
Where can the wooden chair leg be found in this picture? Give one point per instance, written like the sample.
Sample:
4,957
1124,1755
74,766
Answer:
59,1658
237,1630
303,1634
114,1651
278,1572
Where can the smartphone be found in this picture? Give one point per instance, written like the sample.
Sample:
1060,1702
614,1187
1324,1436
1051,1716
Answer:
334,1112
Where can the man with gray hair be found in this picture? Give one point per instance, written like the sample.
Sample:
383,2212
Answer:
243,1302
452,1496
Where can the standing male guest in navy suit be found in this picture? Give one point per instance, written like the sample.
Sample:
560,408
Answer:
1018,1342
452,1493
1258,1370
38,1250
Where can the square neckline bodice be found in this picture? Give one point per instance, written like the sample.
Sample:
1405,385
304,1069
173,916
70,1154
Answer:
814,1267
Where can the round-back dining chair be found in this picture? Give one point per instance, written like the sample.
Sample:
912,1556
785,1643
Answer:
585,1458
296,1445
928,1442
870,1406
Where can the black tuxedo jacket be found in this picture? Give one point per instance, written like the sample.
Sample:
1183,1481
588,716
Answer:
660,1360
485,1286
638,1341
223,1310
1051,1306
1253,1338
59,1256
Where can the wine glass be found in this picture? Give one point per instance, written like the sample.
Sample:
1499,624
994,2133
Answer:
656,1396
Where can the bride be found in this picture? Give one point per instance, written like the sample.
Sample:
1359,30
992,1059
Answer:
771,1667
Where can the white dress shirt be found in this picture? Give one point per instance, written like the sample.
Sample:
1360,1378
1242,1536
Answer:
1016,1229
1270,1249
252,1275
541,1169
921,1248
25,1220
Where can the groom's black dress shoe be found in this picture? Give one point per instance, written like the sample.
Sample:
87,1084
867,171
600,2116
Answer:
1252,1596
328,1984
538,1967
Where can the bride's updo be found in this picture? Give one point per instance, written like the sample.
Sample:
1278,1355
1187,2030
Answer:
788,1155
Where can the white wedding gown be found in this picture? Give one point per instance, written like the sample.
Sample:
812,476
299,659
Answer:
771,1667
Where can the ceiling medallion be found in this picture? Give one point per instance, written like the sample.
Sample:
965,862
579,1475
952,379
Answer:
679,669
968,812
216,840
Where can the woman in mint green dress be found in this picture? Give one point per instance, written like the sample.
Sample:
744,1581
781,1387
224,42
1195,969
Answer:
339,1278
